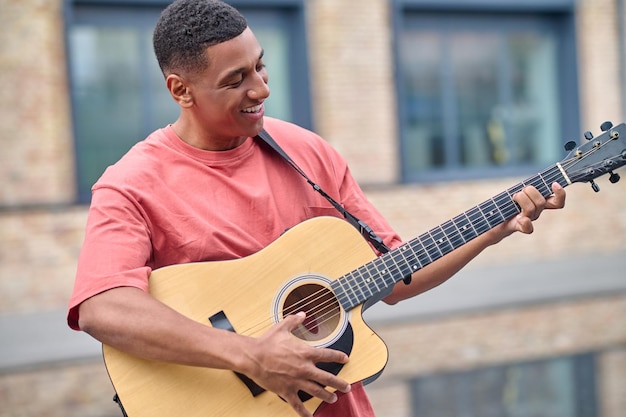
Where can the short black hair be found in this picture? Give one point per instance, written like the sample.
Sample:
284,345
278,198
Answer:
187,27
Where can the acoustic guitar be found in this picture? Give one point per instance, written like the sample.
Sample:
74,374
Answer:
323,267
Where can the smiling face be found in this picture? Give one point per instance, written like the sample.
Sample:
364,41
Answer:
222,104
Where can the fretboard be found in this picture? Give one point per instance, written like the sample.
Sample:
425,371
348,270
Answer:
374,277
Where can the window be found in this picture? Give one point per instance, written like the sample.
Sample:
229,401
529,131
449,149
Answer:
561,387
118,92
483,93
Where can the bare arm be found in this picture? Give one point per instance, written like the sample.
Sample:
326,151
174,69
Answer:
132,321
532,204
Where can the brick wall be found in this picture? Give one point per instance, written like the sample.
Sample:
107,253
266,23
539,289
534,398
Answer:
38,253
36,160
354,108
352,84
599,57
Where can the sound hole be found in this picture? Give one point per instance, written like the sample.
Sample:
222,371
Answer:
321,308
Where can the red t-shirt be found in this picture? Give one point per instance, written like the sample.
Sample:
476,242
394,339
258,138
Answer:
166,202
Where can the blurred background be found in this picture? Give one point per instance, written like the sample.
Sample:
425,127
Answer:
438,105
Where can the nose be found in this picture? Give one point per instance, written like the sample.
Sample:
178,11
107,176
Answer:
260,90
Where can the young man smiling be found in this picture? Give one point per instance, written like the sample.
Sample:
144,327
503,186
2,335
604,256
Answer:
204,189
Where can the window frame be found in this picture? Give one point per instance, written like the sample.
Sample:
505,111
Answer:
584,369
559,13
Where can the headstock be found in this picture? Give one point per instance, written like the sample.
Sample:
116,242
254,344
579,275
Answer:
598,156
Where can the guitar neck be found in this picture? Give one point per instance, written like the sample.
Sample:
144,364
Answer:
372,278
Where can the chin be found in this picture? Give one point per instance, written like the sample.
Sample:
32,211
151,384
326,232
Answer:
257,128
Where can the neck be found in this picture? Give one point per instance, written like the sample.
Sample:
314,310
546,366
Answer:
200,139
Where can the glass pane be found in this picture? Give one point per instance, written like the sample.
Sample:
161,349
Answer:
421,61
535,389
160,109
434,397
487,392
542,389
533,116
275,43
474,59
507,103
478,94
107,96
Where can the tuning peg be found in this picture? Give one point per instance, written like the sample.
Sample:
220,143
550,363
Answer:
613,178
606,126
595,187
569,145
588,135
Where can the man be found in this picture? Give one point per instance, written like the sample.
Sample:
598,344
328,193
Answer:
203,189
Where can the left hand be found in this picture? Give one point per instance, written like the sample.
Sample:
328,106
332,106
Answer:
532,203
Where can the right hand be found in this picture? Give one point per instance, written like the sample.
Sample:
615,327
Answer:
283,364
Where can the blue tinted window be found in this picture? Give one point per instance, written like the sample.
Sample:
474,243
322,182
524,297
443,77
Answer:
560,387
480,93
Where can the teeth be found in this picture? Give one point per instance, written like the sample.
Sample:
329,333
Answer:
253,109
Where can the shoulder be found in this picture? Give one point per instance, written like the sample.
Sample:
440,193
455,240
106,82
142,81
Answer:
286,131
143,161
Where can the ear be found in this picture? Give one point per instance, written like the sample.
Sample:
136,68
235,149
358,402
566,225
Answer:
179,90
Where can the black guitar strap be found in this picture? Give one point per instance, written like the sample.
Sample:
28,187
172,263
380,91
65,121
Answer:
361,226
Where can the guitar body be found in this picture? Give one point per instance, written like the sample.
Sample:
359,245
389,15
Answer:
248,296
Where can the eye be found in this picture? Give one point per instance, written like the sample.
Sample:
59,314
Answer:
236,83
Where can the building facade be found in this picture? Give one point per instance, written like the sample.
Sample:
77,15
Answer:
542,312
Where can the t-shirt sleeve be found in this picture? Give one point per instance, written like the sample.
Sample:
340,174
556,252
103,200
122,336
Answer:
116,250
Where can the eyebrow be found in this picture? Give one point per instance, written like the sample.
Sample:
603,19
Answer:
242,69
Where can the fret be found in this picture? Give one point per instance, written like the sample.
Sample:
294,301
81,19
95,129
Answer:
413,258
513,207
373,280
360,277
543,187
508,207
428,243
478,220
371,274
441,241
491,213
455,237
421,256
342,295
339,290
515,189
465,226
551,176
350,283
388,271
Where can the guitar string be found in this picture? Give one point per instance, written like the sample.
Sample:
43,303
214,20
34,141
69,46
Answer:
299,306
314,297
330,308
